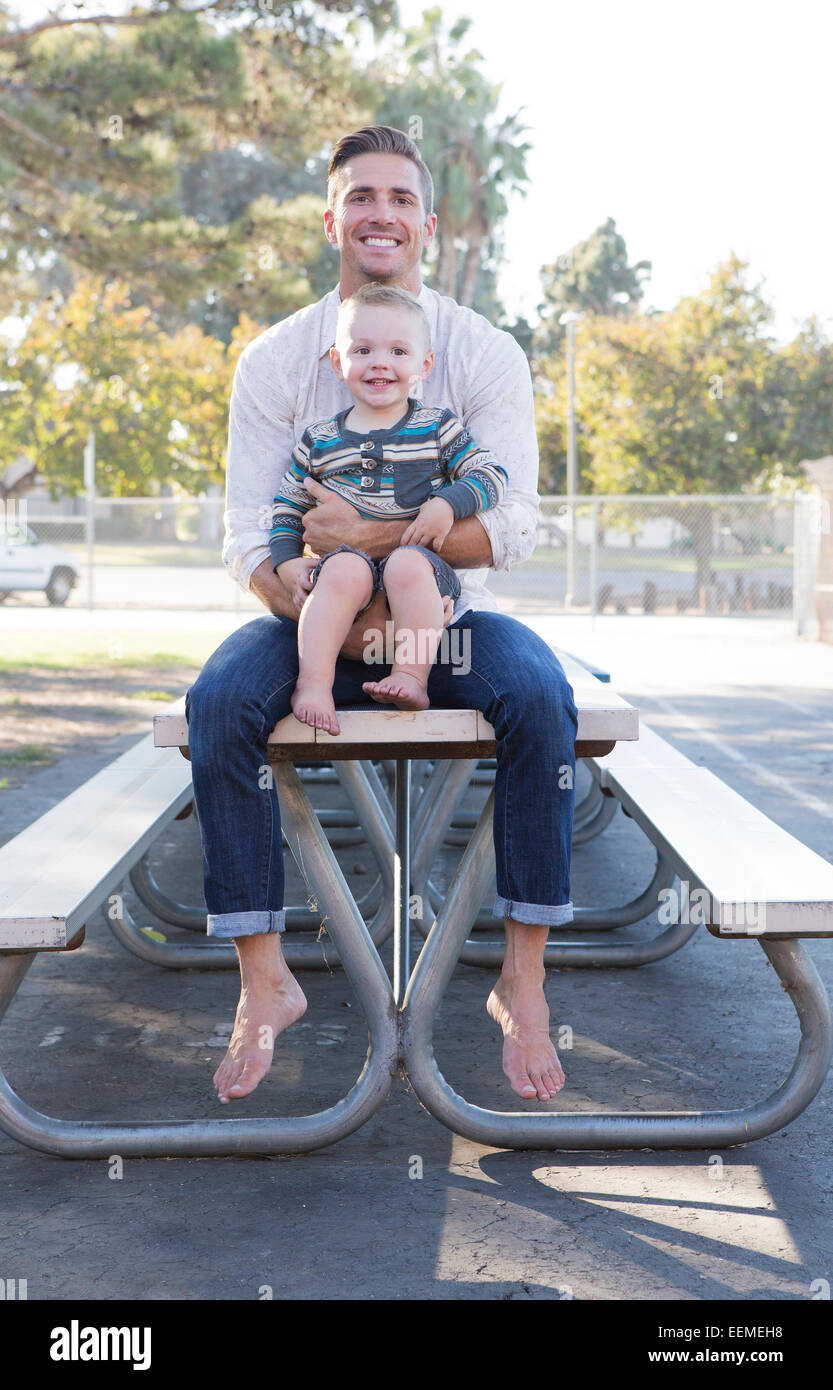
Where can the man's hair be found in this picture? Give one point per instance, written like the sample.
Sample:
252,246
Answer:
374,294
379,139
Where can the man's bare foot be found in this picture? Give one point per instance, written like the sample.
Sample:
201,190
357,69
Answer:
269,1003
529,1059
400,689
312,703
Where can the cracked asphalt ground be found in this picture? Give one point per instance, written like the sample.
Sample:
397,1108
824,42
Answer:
403,1209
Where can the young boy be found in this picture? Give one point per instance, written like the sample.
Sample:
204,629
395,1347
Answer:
392,458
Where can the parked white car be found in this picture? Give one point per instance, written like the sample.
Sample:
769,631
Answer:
27,563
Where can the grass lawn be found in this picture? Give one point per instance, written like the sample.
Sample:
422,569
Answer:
67,694
120,650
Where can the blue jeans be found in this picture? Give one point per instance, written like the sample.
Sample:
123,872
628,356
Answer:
514,679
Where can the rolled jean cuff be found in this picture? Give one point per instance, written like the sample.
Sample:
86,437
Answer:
534,914
230,924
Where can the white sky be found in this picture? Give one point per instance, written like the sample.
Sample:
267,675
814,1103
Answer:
701,128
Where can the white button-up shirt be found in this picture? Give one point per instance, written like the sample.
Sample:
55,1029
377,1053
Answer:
284,381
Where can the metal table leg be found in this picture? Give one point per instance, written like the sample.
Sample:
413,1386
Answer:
402,881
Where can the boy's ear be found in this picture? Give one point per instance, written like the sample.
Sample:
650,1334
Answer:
428,365
336,361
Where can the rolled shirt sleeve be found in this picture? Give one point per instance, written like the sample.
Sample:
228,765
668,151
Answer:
500,416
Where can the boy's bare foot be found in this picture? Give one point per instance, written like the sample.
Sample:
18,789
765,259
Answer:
400,689
268,1005
312,703
529,1059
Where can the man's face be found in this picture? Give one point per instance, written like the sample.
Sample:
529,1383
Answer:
378,222
381,354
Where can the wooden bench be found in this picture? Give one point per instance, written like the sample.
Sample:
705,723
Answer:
754,877
58,871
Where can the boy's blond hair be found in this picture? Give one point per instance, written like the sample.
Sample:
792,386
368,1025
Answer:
376,295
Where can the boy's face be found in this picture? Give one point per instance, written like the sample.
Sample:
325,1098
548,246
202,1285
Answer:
381,354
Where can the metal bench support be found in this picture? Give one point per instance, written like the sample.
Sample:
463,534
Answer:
298,1134
611,1130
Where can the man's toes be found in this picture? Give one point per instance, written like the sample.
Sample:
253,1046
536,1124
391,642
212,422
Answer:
541,1087
521,1084
556,1078
248,1079
224,1073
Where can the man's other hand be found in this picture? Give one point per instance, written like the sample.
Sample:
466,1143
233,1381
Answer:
267,586
296,577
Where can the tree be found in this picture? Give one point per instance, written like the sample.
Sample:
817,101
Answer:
697,400
435,91
101,123
158,403
593,278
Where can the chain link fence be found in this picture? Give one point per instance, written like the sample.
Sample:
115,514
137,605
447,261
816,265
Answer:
660,555
673,555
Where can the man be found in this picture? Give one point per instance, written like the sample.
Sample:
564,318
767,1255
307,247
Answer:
381,219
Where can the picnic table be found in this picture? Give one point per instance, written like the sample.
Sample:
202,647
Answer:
98,834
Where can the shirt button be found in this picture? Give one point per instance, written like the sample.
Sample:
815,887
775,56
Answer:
370,463
368,444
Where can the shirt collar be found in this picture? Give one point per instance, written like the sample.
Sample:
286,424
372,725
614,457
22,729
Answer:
331,304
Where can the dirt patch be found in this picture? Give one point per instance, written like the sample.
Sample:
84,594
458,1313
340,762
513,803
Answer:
48,714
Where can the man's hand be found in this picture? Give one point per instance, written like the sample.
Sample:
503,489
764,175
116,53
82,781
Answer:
273,594
431,524
296,577
331,522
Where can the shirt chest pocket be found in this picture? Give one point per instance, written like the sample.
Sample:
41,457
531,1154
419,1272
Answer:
414,483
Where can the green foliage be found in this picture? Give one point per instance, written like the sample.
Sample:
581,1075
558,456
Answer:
158,403
696,400
594,277
110,133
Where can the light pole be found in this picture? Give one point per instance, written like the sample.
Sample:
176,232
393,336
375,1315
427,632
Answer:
569,320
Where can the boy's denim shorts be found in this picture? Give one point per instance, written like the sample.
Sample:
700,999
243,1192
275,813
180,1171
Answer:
447,581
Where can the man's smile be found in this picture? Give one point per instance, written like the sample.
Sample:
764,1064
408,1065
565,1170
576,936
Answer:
374,240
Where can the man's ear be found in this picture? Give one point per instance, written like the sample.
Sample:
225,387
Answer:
330,227
335,358
430,230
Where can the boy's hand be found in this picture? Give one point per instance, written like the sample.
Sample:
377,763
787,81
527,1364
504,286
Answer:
295,575
431,525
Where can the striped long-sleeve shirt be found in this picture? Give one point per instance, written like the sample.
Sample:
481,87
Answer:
386,474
